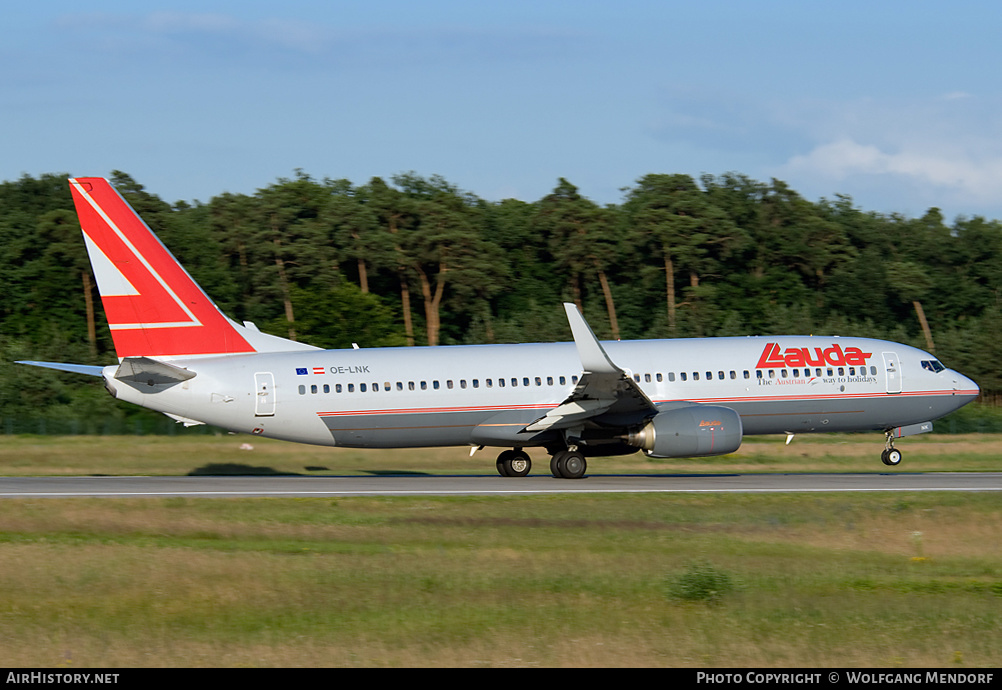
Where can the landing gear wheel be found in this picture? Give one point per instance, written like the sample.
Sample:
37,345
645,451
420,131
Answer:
520,464
891,457
504,462
554,460
513,463
568,464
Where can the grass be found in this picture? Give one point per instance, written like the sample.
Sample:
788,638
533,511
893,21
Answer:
812,580
230,454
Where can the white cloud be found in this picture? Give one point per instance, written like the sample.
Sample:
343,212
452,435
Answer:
947,150
961,172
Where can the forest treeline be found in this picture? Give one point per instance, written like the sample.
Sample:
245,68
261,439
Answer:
418,261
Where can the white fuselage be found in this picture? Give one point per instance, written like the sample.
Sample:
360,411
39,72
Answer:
488,394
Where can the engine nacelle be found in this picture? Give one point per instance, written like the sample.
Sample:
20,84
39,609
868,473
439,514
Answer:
690,430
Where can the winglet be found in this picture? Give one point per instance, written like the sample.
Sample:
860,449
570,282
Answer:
592,354
603,387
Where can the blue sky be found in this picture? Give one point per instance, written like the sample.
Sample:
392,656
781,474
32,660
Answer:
894,103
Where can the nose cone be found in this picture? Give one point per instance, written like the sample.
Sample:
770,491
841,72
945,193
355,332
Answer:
965,388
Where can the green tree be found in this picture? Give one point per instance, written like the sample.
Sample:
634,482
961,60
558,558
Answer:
445,244
582,242
672,216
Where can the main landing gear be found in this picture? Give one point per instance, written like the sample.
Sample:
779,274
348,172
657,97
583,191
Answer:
564,464
891,455
514,463
568,464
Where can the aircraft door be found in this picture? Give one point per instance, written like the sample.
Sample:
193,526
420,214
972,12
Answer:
264,399
892,370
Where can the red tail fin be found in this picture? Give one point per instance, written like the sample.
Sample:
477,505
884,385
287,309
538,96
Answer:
153,306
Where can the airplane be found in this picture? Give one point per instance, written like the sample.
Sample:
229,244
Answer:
180,355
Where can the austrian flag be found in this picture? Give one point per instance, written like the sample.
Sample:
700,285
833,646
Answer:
318,370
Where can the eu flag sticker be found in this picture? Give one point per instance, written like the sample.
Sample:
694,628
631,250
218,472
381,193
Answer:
301,371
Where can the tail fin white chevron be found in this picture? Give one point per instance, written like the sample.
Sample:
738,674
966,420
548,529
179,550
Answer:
154,308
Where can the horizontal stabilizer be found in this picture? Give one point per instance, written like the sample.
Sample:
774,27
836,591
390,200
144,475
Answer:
143,373
73,368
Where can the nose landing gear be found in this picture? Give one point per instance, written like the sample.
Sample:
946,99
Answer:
891,455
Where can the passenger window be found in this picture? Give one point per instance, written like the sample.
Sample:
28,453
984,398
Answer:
448,384
351,387
434,384
337,387
720,375
476,383
671,376
327,388
361,388
302,390
400,385
410,385
659,377
313,388
525,381
462,383
695,376
424,385
747,374
539,381
563,381
501,382
683,375
549,380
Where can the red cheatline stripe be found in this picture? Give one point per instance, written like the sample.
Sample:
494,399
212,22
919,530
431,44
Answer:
496,408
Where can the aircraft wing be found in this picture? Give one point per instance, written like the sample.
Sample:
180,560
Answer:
74,368
604,392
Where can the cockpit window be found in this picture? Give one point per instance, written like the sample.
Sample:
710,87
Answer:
932,365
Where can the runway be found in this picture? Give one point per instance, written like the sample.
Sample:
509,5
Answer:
479,485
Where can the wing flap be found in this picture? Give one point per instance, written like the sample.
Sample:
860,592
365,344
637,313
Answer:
604,390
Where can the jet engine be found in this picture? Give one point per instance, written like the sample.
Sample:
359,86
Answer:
689,430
